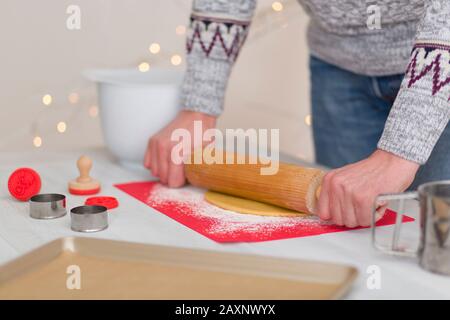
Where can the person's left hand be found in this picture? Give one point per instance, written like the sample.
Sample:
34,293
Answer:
348,193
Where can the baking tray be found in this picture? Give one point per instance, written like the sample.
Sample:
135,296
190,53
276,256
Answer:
122,270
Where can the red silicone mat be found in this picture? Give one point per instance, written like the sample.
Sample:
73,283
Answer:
187,206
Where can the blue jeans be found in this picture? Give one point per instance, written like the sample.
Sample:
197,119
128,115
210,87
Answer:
349,112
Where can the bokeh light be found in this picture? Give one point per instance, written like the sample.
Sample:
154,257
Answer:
277,6
61,127
144,67
176,60
154,48
37,141
47,99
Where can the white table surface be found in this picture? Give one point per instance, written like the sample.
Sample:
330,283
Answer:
401,278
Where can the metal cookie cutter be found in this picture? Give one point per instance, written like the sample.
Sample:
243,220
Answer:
89,218
48,206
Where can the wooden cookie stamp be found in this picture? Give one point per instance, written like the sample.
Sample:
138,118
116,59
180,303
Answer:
84,184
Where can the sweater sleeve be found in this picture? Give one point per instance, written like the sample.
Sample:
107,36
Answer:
422,107
216,32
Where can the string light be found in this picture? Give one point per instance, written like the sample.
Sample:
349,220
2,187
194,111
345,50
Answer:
93,111
180,30
61,127
277,6
144,67
47,99
308,120
154,48
73,98
37,141
176,59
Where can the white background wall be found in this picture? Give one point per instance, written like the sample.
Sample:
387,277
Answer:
268,89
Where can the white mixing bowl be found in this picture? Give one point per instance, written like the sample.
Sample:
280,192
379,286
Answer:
135,105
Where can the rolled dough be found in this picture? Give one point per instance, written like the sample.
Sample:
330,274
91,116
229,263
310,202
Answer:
247,206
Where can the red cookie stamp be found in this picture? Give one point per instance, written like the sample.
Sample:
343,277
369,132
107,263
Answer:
108,202
24,183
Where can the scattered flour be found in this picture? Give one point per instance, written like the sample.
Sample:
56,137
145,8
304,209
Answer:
224,221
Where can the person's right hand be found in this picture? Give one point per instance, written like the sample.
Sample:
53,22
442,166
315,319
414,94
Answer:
158,154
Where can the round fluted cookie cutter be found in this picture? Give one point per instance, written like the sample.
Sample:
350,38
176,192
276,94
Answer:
89,218
48,206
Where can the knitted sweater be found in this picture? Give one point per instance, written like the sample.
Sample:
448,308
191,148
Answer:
413,38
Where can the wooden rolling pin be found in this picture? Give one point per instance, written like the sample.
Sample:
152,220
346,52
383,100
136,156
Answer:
292,187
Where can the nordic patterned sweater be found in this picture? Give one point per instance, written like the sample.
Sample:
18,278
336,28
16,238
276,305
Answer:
414,39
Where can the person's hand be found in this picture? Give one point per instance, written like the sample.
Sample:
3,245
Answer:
348,193
158,154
